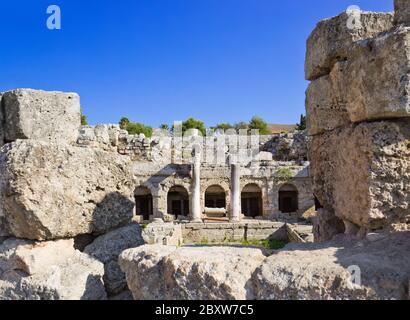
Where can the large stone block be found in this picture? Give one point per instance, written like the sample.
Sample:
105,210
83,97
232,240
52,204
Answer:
326,102
41,115
402,12
377,78
337,270
50,191
190,273
362,172
48,271
333,38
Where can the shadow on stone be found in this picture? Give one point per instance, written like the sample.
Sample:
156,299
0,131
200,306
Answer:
114,211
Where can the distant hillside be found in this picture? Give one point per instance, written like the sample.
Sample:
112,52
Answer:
279,128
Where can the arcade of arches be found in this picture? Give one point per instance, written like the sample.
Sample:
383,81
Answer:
178,202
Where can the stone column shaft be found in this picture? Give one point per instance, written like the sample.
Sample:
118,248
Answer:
235,213
196,214
158,208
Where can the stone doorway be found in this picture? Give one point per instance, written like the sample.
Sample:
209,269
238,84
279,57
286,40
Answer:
215,197
251,200
143,202
178,201
288,199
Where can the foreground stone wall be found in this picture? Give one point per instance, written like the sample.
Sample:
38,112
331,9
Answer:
358,113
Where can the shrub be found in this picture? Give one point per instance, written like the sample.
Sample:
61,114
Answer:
284,174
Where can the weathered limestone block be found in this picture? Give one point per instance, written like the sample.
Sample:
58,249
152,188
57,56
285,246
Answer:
329,271
332,39
144,271
362,172
190,273
378,77
51,191
108,247
48,271
35,114
402,12
326,101
102,135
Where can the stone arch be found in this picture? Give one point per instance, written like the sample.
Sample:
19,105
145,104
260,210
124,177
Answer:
178,201
288,198
252,200
215,197
206,183
143,202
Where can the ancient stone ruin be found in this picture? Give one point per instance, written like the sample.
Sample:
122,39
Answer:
94,213
91,187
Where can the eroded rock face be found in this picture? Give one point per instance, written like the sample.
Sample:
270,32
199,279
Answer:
42,115
164,272
332,39
363,172
51,191
402,12
108,247
48,271
1,120
324,271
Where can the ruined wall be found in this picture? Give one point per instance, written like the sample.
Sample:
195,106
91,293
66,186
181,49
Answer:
358,111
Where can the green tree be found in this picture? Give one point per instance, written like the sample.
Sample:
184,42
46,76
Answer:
164,127
192,123
138,128
224,126
257,123
302,124
241,126
124,123
84,121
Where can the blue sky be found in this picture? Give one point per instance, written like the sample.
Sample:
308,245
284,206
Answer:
157,61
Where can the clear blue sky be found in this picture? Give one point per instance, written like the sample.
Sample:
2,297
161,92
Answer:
157,61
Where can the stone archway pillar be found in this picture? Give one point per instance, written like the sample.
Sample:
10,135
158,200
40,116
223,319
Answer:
158,208
196,214
235,212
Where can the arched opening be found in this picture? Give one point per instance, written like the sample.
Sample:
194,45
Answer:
143,202
215,197
288,199
178,201
251,200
